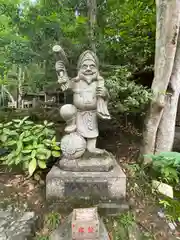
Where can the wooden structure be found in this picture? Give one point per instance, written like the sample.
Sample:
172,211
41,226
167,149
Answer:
52,96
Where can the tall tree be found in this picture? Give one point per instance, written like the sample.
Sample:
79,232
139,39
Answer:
92,17
160,122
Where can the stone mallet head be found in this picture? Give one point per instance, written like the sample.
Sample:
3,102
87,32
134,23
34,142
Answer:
60,54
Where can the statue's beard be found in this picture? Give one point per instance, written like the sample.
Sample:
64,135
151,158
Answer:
88,78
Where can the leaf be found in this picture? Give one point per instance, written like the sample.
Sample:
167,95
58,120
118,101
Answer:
29,122
56,154
27,133
81,19
45,151
11,155
11,143
41,164
55,147
54,139
28,139
32,166
26,151
29,147
19,147
25,165
25,118
22,135
39,126
8,124
27,158
3,138
10,162
40,146
27,127
35,144
16,120
6,131
47,142
37,131
13,133
50,132
50,124
45,122
33,154
40,156
39,134
18,159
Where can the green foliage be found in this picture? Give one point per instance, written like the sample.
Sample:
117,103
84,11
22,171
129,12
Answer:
125,35
166,166
52,220
128,29
30,145
125,32
126,219
171,208
126,95
120,225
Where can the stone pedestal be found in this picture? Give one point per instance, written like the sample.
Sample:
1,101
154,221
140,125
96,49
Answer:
64,231
95,187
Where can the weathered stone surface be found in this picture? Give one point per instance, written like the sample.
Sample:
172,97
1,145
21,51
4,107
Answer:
17,226
86,185
176,145
112,209
84,171
90,103
65,231
89,163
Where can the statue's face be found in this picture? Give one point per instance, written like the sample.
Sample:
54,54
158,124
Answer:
88,67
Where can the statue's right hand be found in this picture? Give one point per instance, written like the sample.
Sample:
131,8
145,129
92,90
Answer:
64,86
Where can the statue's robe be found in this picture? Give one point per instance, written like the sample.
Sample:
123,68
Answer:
89,107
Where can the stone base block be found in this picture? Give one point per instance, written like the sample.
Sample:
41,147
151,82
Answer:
64,231
89,163
65,186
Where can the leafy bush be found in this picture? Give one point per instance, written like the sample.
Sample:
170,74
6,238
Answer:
29,145
126,95
166,166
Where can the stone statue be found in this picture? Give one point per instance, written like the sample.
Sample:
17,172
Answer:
90,99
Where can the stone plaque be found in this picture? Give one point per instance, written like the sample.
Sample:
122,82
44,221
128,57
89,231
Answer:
85,224
85,189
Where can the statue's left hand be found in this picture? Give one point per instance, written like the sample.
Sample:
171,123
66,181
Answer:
101,91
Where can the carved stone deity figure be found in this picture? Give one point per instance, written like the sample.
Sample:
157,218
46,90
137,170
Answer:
89,103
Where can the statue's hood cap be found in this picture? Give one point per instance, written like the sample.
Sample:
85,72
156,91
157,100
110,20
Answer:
88,55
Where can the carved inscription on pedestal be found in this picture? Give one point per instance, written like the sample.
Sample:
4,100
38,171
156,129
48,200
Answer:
86,189
85,224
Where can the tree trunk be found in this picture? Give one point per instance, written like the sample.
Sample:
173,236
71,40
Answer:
21,76
92,15
9,95
166,130
167,31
